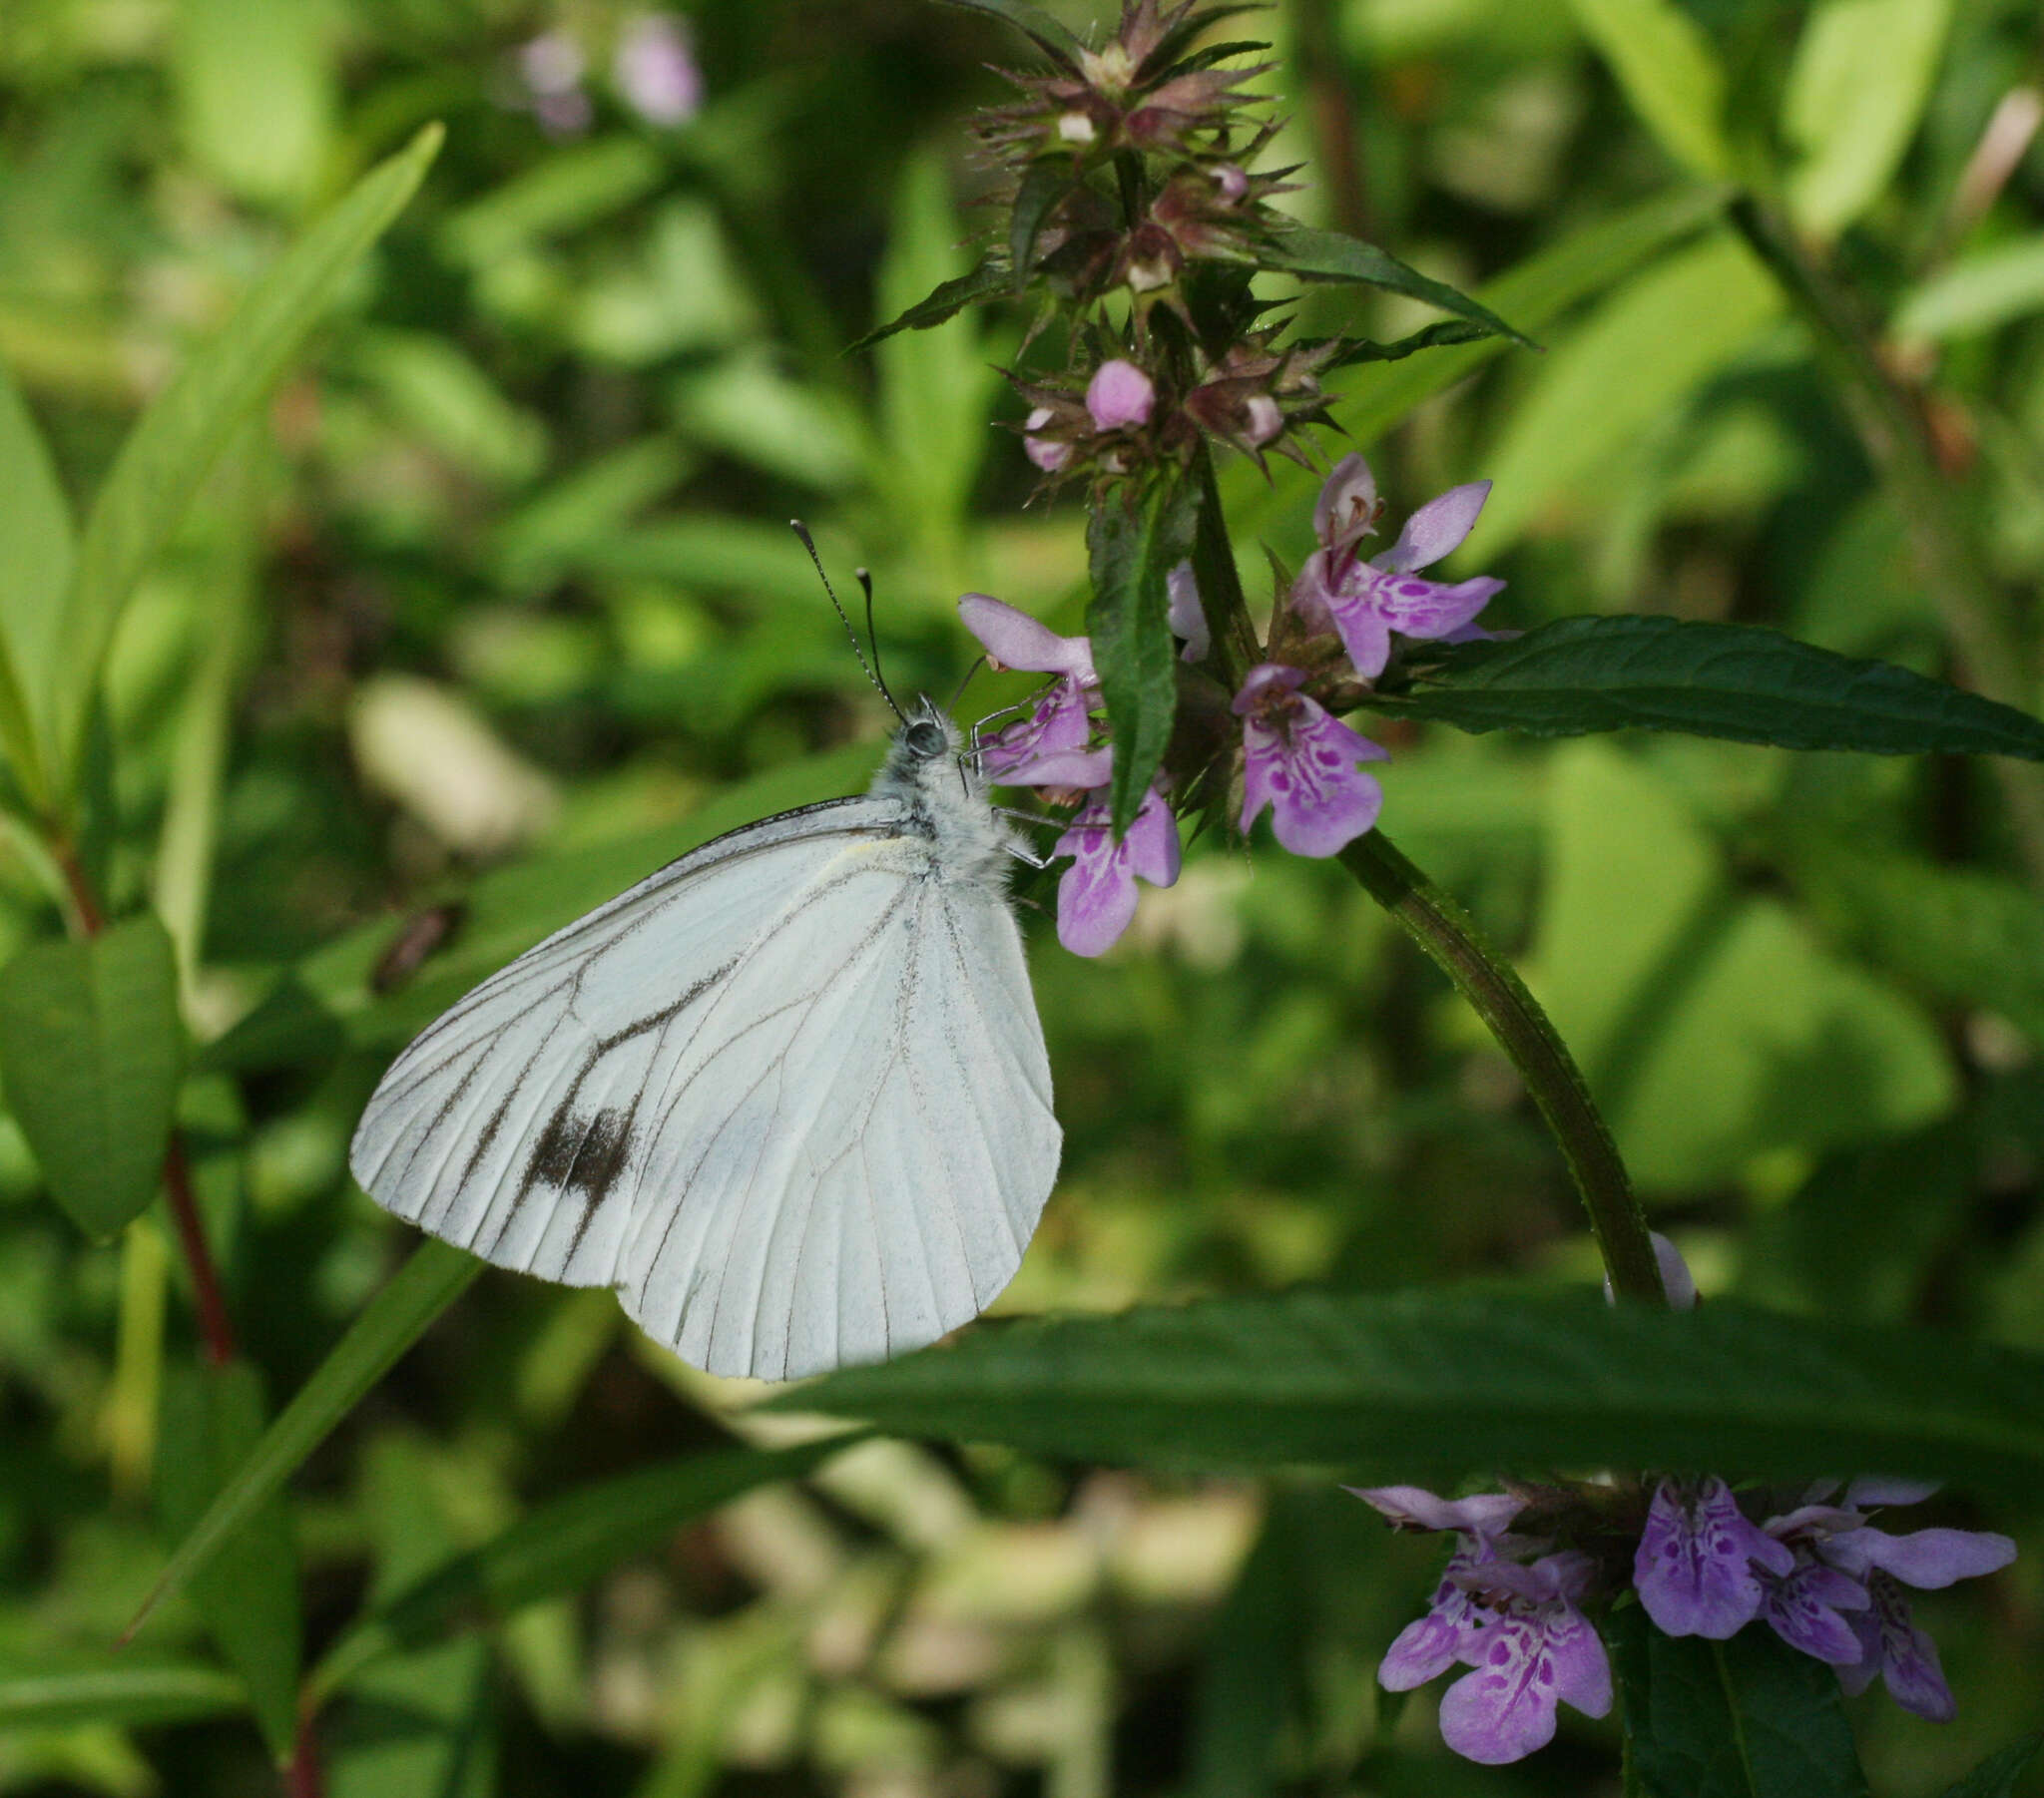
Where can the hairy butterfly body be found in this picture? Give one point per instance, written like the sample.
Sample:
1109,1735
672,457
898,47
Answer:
789,1094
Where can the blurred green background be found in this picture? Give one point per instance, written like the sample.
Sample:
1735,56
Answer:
500,597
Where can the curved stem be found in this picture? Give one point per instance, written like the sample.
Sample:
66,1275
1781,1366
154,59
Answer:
1450,938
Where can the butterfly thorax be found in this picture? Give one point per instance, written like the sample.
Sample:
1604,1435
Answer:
945,802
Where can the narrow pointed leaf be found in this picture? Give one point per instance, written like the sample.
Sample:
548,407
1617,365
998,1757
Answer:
985,279
1049,34
172,448
1133,540
1440,335
90,1050
1740,682
559,1548
41,546
1745,1718
1318,256
1664,63
431,1280
1046,181
248,1593
116,1690
1426,1385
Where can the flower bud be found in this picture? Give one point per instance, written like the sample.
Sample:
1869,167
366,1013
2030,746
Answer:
1119,396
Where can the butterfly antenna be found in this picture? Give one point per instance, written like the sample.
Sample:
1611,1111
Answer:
978,662
809,542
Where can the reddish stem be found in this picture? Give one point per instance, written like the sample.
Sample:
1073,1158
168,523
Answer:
303,1777
215,1329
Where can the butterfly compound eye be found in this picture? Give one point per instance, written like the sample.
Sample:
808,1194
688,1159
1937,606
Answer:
925,739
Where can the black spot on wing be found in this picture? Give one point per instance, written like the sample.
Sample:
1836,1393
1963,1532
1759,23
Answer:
577,1153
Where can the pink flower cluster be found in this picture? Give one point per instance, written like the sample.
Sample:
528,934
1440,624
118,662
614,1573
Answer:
1301,763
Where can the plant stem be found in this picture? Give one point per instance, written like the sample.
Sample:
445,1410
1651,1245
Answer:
1896,437
1235,647
1450,938
1332,114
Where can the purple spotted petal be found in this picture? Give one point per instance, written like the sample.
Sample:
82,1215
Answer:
1803,1611
1535,1655
1057,723
1433,1643
1120,394
1013,639
1907,1657
1066,770
1925,1559
1301,763
1097,893
1483,1514
1430,609
1436,529
1346,509
1695,1565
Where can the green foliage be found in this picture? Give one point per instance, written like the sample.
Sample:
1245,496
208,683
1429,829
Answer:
90,1050
1581,674
1315,255
1745,1718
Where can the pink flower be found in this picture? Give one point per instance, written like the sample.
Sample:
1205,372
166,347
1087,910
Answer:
1302,762
1097,893
1061,722
655,69
1048,453
1365,601
1119,396
1185,615
1535,1652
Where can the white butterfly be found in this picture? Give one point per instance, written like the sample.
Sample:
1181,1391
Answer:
789,1094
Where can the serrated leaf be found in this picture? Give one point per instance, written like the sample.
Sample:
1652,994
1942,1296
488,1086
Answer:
1318,256
173,446
1447,332
248,1593
114,1689
1045,182
1435,1385
986,277
41,547
1670,74
1133,538
1997,1776
1745,1718
1049,34
92,1049
558,1548
1738,682
431,1280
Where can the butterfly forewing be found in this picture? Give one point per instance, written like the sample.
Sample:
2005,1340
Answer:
789,1094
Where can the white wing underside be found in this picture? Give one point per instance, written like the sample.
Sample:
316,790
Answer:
789,1095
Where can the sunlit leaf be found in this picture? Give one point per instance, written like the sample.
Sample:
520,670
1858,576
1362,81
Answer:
1977,293
173,446
1318,256
1427,1385
116,1688
1669,72
431,1280
90,1050
1746,1718
248,1591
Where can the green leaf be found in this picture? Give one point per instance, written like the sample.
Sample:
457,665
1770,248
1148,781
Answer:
255,94
1421,1385
1133,540
431,1280
1745,1718
1595,399
1045,182
1537,293
41,547
1739,681
1050,35
248,1591
1997,1776
1977,293
1670,74
90,1050
556,1548
985,279
170,449
1318,256
1857,87
1433,336
115,1690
